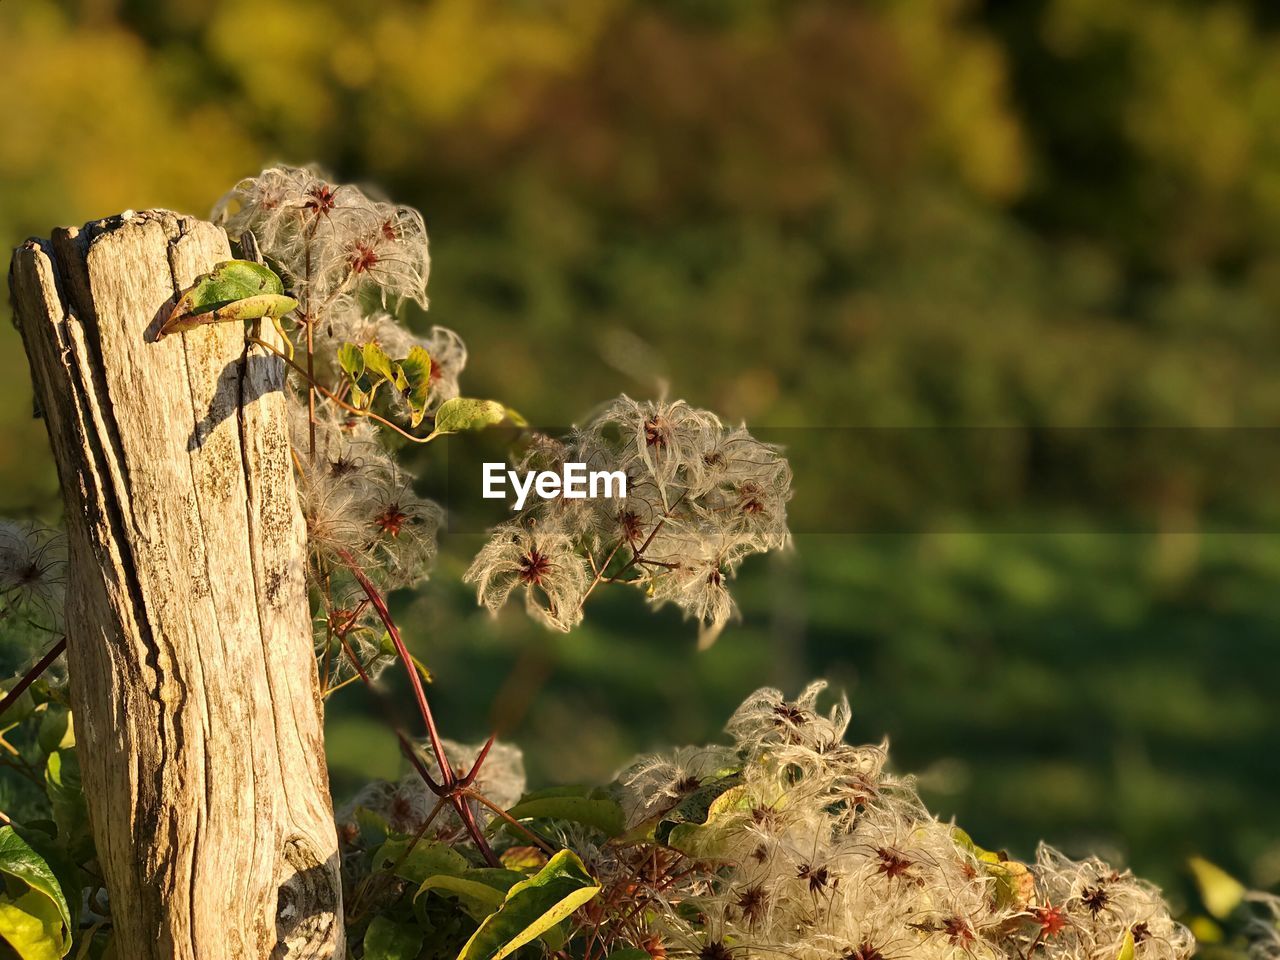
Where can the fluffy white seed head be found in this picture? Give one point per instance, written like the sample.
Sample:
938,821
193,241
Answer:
700,498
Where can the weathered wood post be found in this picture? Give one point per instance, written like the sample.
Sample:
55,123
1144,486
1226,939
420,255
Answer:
195,696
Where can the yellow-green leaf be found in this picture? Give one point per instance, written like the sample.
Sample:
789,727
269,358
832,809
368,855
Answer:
603,813
351,360
233,290
66,795
56,730
1126,947
707,839
426,858
533,908
481,898
38,919
464,413
1205,930
1220,891
698,806
377,363
32,926
416,370
523,859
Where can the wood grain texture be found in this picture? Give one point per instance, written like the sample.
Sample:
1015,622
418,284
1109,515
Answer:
189,638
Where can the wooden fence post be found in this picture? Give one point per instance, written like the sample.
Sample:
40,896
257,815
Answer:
194,691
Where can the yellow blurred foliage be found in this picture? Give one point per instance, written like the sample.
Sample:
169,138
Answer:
1202,109
962,73
95,124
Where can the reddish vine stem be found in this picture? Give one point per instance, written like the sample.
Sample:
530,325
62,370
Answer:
415,679
32,675
450,785
538,841
456,796
468,816
410,754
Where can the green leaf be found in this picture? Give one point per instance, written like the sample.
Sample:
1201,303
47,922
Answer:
478,898
696,807
1126,947
19,710
417,373
707,839
377,363
387,940
523,859
62,859
56,731
1205,930
532,908
603,813
464,413
39,919
66,795
480,891
500,878
360,399
427,858
351,360
1220,891
564,790
1013,885
233,290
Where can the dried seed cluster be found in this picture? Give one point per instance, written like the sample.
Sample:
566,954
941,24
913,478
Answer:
1264,927
33,567
811,850
333,241
700,498
349,260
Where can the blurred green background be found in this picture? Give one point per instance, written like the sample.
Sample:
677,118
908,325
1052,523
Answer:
1026,214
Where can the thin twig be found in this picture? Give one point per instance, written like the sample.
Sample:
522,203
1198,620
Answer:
600,572
311,378
32,675
545,847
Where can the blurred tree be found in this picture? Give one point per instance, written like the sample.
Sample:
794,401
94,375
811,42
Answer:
1025,213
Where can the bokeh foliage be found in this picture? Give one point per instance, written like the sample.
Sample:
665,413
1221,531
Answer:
891,212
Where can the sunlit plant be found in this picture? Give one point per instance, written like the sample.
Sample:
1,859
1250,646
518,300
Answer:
785,842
